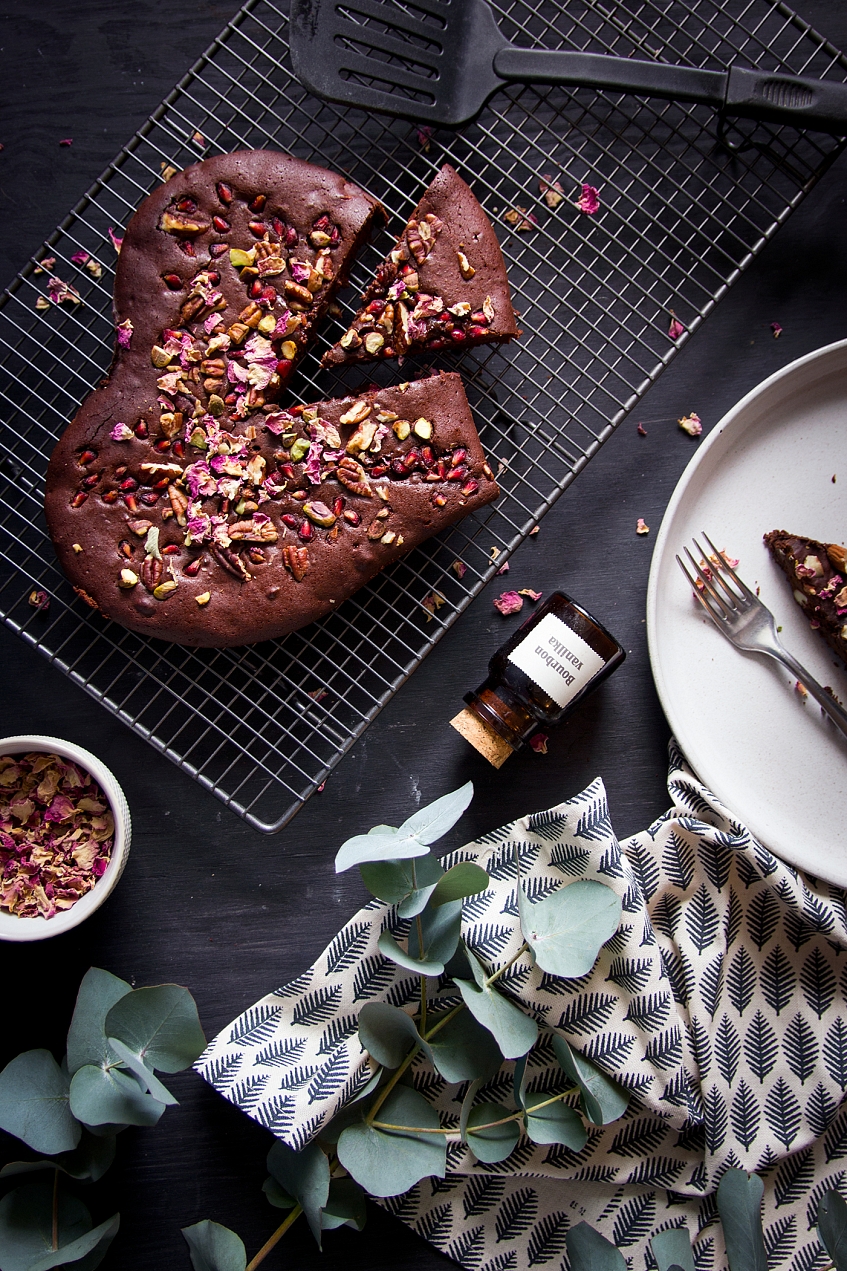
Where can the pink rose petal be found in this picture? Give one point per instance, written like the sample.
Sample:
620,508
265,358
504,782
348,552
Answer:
509,602
539,743
589,200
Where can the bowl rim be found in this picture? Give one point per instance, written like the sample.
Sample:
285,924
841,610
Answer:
13,928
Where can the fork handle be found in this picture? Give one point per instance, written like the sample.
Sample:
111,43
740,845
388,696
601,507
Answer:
825,700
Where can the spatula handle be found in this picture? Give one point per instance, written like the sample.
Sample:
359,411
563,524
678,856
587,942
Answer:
807,103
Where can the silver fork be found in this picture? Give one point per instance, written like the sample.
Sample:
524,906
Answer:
739,615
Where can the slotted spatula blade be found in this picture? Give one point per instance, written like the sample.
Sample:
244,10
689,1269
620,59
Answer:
438,62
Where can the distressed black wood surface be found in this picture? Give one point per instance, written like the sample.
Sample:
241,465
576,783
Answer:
209,903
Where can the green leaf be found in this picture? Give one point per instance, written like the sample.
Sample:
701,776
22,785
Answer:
26,1224
277,1196
740,1207
146,1077
106,1096
464,879
604,1101
88,1161
459,967
472,1091
566,930
413,836
496,1143
387,1033
34,1103
556,1123
346,1205
441,929
390,949
93,1246
388,1163
305,1176
589,1251
215,1248
463,1050
98,993
160,1025
514,1032
832,1228
407,884
672,1248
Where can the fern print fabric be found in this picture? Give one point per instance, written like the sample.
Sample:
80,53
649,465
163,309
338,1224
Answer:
718,1004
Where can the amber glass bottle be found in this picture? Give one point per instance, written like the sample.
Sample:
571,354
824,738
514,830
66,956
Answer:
538,677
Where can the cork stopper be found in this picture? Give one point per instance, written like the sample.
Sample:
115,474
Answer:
491,746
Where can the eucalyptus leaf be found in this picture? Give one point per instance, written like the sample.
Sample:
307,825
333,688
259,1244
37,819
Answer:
92,1247
363,848
104,1096
441,930
555,1123
34,1103
412,838
589,1251
390,949
88,1161
467,1106
276,1195
388,1163
305,1176
672,1248
351,1114
514,1032
26,1224
740,1208
346,1205
604,1101
215,1248
463,1050
459,967
495,1143
387,1033
433,821
146,1077
407,884
464,879
160,1025
567,929
383,829
98,993
832,1228
519,1079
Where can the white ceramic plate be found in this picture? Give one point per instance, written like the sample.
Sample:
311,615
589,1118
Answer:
748,735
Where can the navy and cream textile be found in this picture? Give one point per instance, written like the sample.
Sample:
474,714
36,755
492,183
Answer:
719,1004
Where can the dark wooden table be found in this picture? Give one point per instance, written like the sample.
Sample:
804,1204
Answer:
206,901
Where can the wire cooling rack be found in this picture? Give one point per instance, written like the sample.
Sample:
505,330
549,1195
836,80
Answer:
686,205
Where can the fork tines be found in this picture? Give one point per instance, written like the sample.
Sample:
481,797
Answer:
723,604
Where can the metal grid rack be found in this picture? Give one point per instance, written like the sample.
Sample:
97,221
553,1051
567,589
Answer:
686,205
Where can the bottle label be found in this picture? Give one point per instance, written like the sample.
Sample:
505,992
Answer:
557,659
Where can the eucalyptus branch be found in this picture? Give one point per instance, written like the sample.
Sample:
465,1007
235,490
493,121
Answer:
275,1238
490,1125
491,979
398,1072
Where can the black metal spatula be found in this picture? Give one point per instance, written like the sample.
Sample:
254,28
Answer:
438,61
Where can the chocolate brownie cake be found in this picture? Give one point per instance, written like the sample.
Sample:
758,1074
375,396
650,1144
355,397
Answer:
817,573
443,285
243,527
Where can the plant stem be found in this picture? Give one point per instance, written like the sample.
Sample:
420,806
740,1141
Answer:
277,1236
490,1125
398,1073
504,968
423,997
55,1233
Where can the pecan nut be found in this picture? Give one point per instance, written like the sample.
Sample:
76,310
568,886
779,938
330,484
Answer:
231,562
296,559
151,572
250,532
353,477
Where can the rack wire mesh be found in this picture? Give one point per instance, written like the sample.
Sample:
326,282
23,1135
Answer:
687,203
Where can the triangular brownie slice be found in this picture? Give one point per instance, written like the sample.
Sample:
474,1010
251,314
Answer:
817,573
444,285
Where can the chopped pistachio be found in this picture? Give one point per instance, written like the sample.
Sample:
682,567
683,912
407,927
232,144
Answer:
267,324
128,579
164,589
204,598
299,449
402,428
77,548
240,259
423,429
288,350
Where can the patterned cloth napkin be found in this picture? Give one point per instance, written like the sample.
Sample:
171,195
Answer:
718,1004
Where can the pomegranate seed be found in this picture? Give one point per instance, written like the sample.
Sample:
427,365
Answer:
338,506
477,332
432,476
479,318
230,399
458,474
379,469
188,248
163,484
257,227
289,520
290,236
87,456
217,249
162,445
375,307
287,469
470,487
129,484
258,204
457,336
321,223
149,498
179,448
352,517
283,366
225,193
173,281
306,532
132,502
428,456
110,496
141,429
441,469
460,454
121,471
277,226
398,467
299,495
170,549
268,296
193,567
78,499
90,482
221,224
439,500
187,205
214,277
335,236
256,289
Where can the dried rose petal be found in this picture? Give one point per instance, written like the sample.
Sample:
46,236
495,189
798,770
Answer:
641,430
509,602
432,602
60,291
539,743
459,568
124,333
198,139
79,258
676,328
551,191
117,240
122,432
424,134
504,568
641,527
691,424
520,219
588,201
533,595
39,600
66,141
776,327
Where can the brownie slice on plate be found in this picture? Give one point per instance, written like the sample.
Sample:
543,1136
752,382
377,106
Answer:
444,285
817,573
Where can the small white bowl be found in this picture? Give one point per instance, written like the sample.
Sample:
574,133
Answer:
14,928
